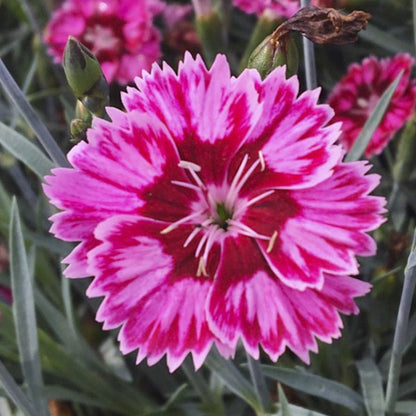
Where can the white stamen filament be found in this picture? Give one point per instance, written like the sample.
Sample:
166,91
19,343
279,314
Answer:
192,168
252,201
272,242
210,241
196,231
259,197
237,184
191,236
186,185
246,230
181,221
201,245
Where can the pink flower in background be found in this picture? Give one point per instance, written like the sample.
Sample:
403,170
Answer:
216,209
119,32
358,92
281,8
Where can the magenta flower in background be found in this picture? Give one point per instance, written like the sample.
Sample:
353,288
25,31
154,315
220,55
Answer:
358,92
280,8
119,32
216,209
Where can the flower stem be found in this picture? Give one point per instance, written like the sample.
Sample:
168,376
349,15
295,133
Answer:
259,383
309,58
400,334
18,98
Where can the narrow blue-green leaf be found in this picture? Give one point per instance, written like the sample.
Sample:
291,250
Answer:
197,381
408,387
24,313
284,404
5,408
316,386
385,40
232,378
371,386
407,407
373,121
65,394
42,133
301,411
75,344
25,151
259,382
401,331
15,393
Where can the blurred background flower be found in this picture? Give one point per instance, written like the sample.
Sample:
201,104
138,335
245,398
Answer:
357,93
120,33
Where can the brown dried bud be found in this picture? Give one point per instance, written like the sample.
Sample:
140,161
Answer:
327,25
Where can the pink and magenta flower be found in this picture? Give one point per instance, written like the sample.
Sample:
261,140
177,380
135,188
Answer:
120,33
280,8
216,210
358,92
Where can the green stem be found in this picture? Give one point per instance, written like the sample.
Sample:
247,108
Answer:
400,334
309,58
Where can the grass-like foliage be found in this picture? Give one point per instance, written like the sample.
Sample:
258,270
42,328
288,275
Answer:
55,358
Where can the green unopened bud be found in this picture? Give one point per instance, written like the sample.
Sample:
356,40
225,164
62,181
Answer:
81,67
85,77
272,53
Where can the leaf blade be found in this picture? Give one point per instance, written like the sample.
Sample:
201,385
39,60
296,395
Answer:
25,151
373,122
232,378
15,393
24,313
316,386
371,386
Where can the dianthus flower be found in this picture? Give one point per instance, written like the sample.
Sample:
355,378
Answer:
281,8
358,92
120,33
216,209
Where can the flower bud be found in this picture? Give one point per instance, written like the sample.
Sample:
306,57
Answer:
85,77
272,53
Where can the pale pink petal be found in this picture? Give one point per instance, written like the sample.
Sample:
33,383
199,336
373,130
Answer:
239,309
166,315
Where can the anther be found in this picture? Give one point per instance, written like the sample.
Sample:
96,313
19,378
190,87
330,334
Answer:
201,268
189,165
272,242
262,161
